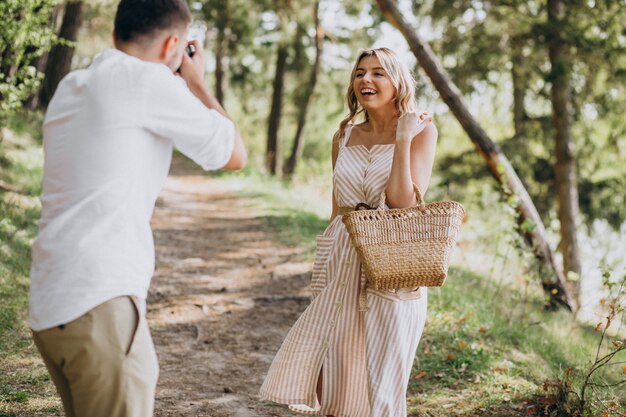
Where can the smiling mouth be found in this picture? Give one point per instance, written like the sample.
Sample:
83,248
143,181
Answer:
368,92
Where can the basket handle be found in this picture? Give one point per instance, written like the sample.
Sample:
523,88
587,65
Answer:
418,195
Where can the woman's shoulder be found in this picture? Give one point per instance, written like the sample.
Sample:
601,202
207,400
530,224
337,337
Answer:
358,127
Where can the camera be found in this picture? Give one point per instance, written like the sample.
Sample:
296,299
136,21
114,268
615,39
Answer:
197,31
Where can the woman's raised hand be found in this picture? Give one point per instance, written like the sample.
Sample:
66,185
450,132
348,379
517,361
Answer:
410,124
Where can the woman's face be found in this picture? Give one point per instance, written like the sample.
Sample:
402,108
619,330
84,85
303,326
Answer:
372,85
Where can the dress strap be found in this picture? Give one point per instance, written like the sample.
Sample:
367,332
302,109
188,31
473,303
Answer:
346,137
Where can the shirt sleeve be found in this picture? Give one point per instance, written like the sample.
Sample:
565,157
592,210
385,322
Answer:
172,111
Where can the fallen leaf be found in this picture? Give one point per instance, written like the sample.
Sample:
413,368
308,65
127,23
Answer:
421,375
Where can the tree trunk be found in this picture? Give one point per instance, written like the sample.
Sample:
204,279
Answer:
272,156
60,58
298,143
220,71
220,52
565,167
531,226
518,75
33,101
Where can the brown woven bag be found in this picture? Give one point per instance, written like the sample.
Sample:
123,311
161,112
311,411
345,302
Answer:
405,248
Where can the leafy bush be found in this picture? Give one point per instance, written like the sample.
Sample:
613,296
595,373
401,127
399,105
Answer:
26,34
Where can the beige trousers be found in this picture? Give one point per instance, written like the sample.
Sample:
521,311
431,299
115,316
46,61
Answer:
103,363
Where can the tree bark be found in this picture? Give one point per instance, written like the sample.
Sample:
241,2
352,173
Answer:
220,52
220,71
531,226
60,58
272,156
564,150
33,101
518,75
298,143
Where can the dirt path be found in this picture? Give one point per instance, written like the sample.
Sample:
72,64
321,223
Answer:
224,296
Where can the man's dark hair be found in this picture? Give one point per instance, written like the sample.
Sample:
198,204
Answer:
136,18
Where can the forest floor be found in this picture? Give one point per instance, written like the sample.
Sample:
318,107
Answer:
224,296
225,293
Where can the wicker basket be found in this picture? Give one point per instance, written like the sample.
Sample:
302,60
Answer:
409,247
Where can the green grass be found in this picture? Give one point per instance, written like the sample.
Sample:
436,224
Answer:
25,388
489,356
489,345
293,212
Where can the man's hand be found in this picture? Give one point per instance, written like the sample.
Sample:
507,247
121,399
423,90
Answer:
192,68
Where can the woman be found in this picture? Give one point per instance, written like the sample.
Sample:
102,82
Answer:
339,359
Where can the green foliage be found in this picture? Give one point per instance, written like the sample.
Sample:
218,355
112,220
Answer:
489,347
21,382
500,48
489,352
18,215
594,388
253,32
25,36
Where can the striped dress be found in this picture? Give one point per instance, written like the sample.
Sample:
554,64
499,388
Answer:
365,357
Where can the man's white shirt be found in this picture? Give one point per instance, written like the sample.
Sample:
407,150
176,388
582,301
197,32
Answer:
108,137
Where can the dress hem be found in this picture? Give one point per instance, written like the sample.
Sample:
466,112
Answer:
289,401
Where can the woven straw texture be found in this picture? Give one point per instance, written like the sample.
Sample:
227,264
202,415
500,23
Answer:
409,247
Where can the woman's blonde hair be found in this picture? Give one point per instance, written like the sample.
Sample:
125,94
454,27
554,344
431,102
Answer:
400,78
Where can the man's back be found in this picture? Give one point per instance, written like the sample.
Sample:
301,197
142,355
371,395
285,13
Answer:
108,138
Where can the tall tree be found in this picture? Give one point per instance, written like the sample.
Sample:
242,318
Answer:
531,224
41,61
564,149
272,155
486,43
520,86
222,25
592,36
305,98
60,59
220,66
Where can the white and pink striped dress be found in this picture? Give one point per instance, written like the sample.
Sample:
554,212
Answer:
365,357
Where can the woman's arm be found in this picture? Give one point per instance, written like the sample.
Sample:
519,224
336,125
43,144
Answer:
413,160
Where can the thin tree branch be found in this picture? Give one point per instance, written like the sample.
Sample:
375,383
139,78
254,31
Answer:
4,186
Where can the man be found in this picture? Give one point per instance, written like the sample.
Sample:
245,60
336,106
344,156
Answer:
108,138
